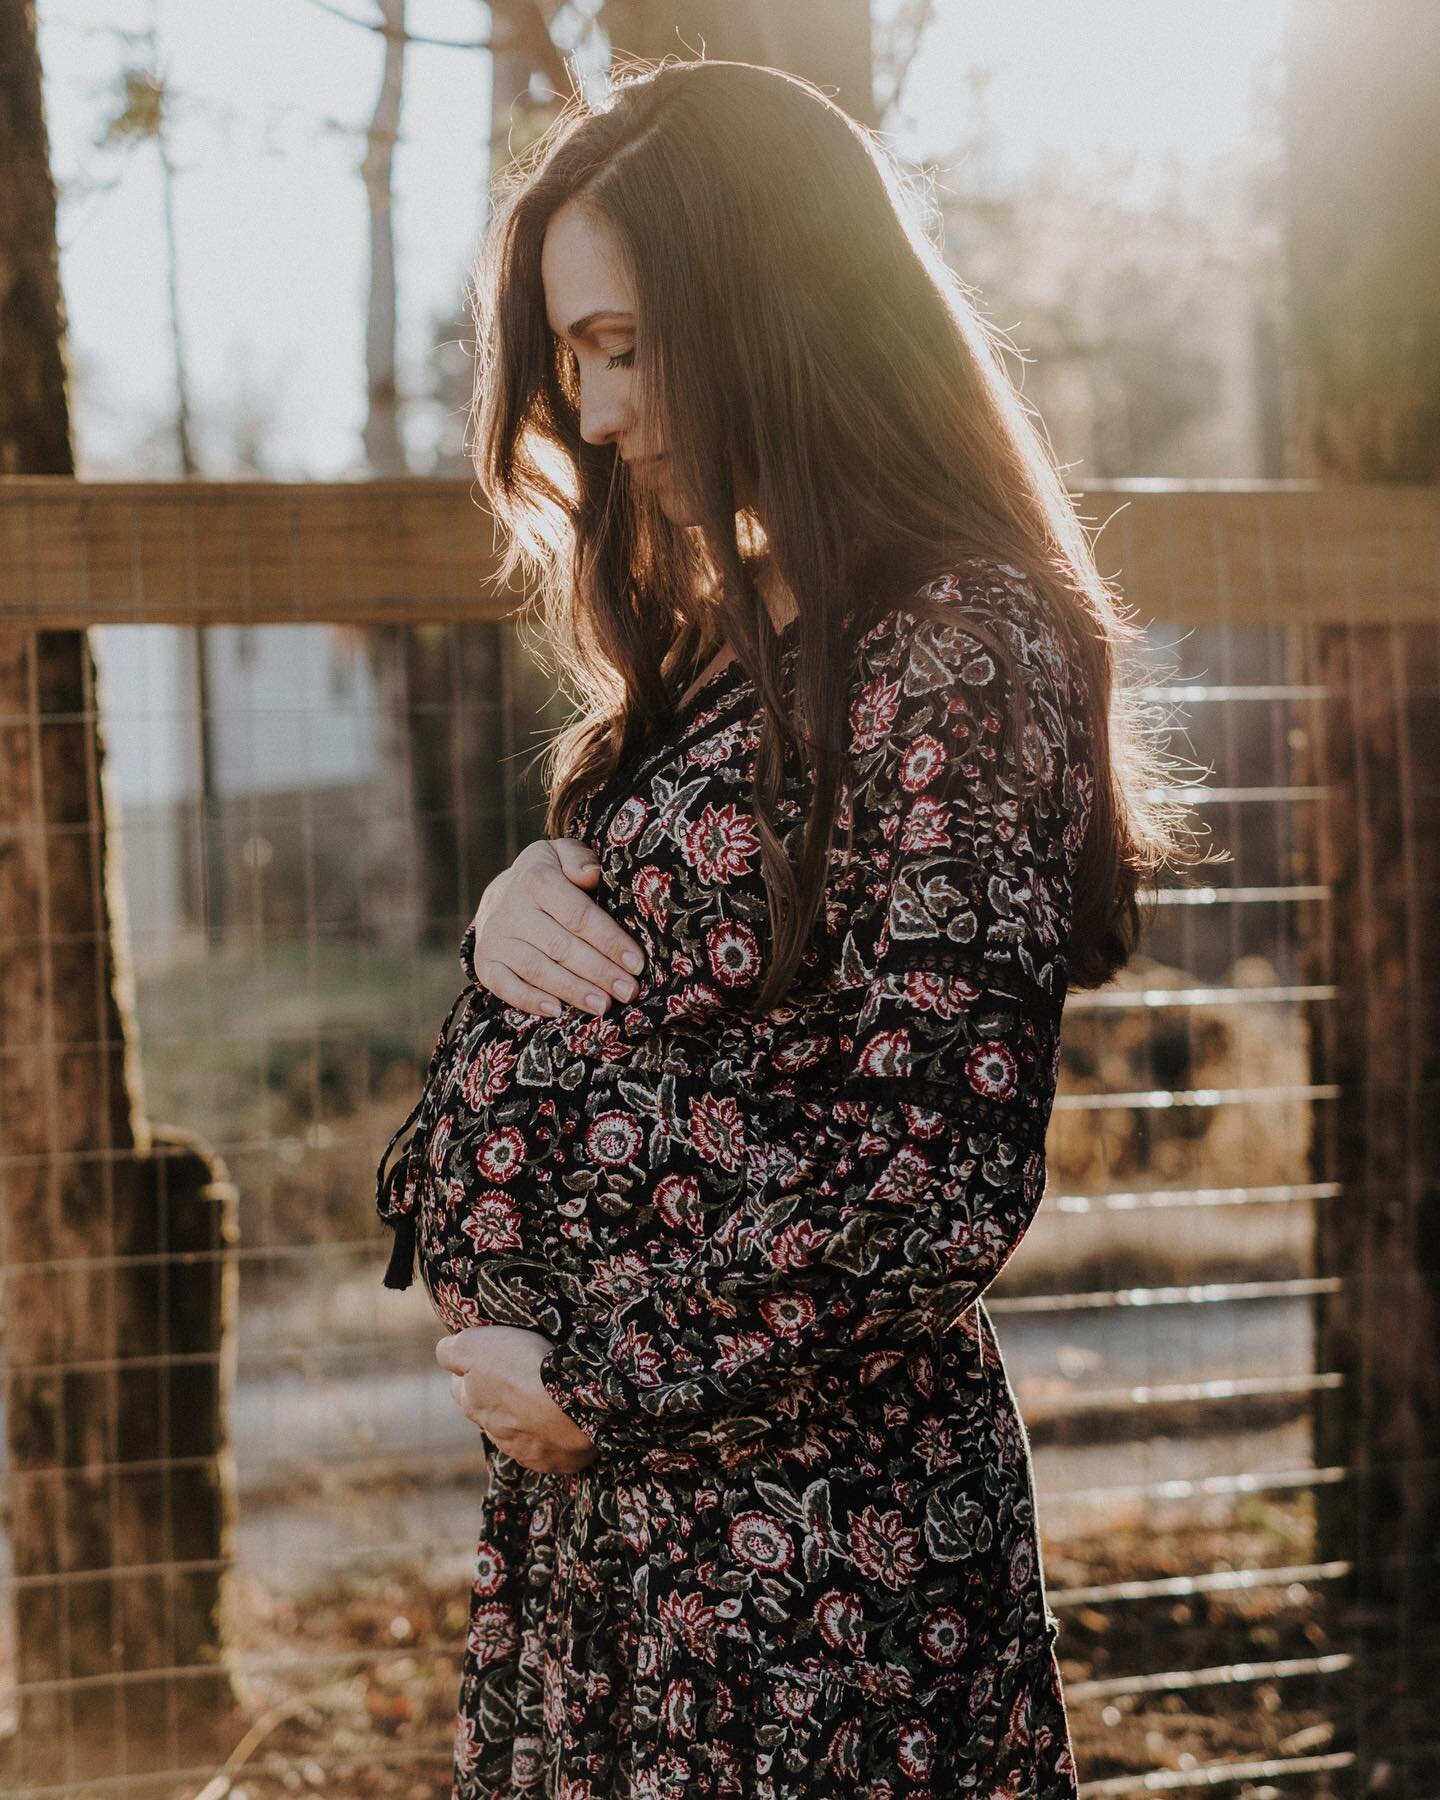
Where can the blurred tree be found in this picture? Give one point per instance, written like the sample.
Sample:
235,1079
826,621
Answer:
139,116
119,1280
1363,173
1363,176
1147,318
825,41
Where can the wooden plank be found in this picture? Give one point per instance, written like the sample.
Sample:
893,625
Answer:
75,554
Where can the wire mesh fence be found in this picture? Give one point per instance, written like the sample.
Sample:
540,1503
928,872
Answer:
240,1504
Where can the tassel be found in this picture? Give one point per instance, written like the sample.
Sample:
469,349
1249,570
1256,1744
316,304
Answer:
390,1186
400,1271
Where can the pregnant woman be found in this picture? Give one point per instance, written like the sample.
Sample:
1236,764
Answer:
857,795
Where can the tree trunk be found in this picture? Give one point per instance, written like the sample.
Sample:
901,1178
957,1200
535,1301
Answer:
1364,252
119,1280
825,41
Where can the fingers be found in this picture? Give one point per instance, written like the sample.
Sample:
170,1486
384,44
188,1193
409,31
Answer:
577,860
545,942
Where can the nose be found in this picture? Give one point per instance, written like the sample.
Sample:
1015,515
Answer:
604,411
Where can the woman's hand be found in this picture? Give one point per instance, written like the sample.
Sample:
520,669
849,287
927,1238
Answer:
495,1381
539,940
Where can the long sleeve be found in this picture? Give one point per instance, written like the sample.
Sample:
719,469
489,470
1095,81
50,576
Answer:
928,1160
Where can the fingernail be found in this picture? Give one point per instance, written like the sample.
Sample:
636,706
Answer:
624,987
596,1000
633,961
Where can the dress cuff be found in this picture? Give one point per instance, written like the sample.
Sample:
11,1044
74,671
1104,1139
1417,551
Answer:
573,1388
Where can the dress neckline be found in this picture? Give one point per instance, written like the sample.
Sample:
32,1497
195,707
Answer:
684,707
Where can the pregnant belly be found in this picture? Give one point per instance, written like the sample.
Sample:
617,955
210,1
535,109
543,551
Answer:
507,1107
565,1163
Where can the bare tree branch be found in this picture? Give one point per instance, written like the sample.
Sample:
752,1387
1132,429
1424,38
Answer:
521,29
381,29
905,35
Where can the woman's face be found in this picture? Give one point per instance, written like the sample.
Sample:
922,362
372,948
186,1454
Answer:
590,307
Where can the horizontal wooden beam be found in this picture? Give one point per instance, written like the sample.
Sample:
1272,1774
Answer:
417,549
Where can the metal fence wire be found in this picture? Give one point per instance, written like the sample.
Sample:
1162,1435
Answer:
262,748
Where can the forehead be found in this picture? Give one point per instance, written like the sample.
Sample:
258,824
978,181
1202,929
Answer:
581,269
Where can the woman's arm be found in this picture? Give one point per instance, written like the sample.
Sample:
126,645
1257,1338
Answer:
929,1160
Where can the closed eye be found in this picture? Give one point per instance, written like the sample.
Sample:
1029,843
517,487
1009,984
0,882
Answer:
621,360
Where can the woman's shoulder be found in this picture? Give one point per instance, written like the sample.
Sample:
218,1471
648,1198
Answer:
976,591
935,653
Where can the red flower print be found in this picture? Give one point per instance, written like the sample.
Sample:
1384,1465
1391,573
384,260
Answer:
733,1352
925,989
693,1618
652,895
679,1708
1020,1719
467,1744
449,1193
761,1541
627,823
873,711
803,1053
794,1701
676,1198
788,1314
915,1749
457,1309
492,1634
633,1516
721,843
734,953
992,1070
935,1446
886,1054
717,1130
489,1571
843,1755
922,762
636,1354
672,1775
527,1761
487,1075
927,825
439,1138
947,996
491,1222
906,1178
711,753
619,1277
795,1246
840,1620
924,1122
1022,1565
878,1364
883,1548
501,1154
614,1139
943,1635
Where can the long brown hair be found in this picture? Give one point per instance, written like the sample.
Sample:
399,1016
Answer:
800,339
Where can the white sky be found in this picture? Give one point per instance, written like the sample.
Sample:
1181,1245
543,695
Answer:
273,100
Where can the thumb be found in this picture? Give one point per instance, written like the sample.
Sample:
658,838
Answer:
576,859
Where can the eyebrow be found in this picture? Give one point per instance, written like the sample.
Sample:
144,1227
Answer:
583,324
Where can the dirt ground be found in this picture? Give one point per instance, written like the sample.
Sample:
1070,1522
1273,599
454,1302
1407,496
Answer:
379,1723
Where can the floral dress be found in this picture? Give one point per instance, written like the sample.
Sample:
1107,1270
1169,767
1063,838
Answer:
805,1561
